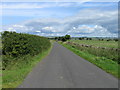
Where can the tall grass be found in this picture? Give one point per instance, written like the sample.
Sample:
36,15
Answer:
99,52
15,74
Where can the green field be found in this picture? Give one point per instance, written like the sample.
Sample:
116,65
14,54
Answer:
97,43
98,48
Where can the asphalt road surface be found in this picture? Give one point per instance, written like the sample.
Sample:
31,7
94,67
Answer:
64,69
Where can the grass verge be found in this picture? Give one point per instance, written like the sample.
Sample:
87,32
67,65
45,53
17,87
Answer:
15,75
0,79
106,64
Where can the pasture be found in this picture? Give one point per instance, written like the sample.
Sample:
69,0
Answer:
97,43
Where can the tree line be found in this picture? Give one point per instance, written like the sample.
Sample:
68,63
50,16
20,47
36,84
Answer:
62,38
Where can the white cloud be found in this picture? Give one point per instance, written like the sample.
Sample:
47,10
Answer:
82,29
33,5
37,5
11,29
104,23
20,6
96,30
47,28
74,27
106,19
17,28
38,31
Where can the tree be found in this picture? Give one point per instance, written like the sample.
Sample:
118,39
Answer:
90,38
80,38
87,38
56,38
59,38
64,39
68,37
102,39
116,39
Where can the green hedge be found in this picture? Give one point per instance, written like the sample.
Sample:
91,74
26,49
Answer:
15,45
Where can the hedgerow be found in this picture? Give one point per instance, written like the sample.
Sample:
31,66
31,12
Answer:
16,45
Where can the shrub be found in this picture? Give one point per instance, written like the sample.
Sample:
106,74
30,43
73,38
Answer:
18,44
64,38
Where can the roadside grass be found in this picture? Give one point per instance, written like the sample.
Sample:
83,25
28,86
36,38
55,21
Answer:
0,74
99,52
0,65
108,65
0,44
14,76
109,44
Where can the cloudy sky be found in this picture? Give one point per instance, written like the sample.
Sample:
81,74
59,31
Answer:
92,19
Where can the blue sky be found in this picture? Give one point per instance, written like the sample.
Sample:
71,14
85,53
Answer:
60,18
60,0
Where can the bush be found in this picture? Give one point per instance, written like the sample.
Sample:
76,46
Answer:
64,38
67,37
18,44
116,39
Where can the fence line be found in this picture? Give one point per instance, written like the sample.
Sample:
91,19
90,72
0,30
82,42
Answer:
91,46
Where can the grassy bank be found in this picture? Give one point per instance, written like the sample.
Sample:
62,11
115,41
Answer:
108,65
15,75
108,53
0,72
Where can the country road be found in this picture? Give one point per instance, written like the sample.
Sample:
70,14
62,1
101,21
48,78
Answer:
64,69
